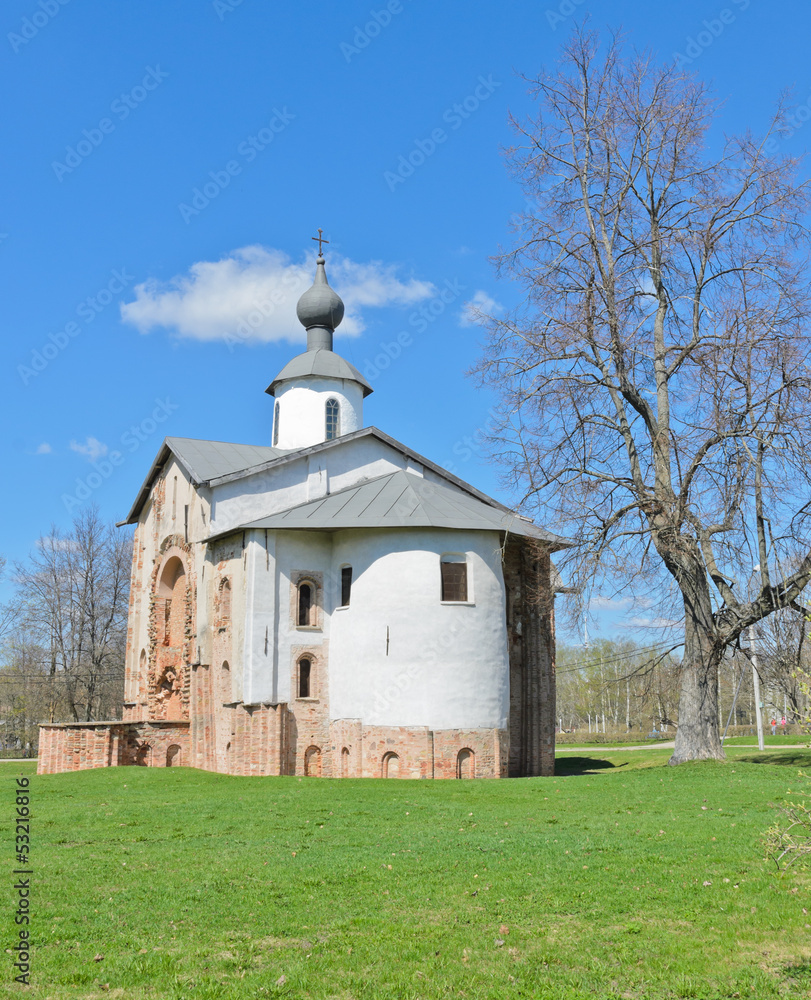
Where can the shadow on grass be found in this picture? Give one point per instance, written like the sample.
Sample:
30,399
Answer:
801,971
795,758
581,765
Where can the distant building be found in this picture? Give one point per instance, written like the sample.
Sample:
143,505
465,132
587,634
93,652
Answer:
333,604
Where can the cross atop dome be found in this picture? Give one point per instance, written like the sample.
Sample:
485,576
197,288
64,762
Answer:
320,240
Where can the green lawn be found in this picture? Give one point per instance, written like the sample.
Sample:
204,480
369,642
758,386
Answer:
770,741
621,878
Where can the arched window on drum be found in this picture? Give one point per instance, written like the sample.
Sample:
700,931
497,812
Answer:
333,419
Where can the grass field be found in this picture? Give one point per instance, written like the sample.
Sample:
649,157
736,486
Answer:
621,877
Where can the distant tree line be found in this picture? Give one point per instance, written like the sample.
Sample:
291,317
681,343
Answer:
618,686
63,634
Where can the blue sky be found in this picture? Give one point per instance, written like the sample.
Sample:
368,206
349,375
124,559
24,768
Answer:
165,166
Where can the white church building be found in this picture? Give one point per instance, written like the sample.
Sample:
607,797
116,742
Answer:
329,604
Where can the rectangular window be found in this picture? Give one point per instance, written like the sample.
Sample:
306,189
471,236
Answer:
454,581
346,585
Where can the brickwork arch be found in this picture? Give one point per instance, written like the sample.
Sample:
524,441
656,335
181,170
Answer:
391,765
174,755
312,762
170,632
466,763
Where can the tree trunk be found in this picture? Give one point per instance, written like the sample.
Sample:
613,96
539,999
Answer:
697,737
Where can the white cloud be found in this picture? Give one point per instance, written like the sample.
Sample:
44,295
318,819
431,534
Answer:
43,449
91,449
610,603
656,622
251,295
476,309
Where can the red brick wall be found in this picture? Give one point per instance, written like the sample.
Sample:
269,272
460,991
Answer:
531,637
262,741
308,718
76,746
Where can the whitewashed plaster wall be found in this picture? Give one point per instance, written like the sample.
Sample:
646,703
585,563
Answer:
302,409
446,665
288,484
271,567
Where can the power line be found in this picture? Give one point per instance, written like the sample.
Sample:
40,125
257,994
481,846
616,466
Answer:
616,659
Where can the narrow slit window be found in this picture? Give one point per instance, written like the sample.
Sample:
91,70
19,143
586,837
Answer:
454,580
167,621
333,419
304,678
276,424
305,604
346,585
225,600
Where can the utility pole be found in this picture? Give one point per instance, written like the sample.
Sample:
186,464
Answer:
756,687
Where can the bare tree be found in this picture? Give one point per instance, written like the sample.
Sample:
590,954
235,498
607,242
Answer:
785,663
72,598
8,612
27,695
656,379
631,686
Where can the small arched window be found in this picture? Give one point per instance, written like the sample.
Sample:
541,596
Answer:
305,669
333,424
225,683
276,424
142,676
346,585
225,600
306,604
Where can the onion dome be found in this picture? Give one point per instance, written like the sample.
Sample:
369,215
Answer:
320,310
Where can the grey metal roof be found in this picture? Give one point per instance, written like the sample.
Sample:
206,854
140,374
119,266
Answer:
404,500
204,461
207,460
214,463
327,364
363,432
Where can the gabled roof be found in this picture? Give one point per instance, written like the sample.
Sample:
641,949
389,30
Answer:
204,461
402,500
214,463
207,460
